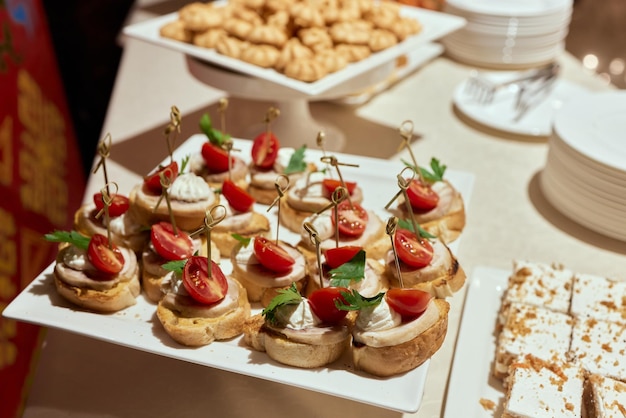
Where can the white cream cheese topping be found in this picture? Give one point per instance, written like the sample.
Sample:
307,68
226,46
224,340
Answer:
76,258
297,316
124,225
378,318
189,187
322,223
386,335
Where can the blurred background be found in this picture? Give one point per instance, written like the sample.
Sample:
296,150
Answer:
85,35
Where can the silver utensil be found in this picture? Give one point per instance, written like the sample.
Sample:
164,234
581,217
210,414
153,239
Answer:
483,90
530,95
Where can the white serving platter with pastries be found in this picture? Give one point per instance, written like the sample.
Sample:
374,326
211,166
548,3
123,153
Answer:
138,328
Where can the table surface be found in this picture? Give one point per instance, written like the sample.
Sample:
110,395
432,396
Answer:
507,219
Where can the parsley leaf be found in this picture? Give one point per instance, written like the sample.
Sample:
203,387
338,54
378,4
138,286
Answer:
296,162
176,266
215,136
72,237
245,241
433,176
353,270
285,297
354,301
404,224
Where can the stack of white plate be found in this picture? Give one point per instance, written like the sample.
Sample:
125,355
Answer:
585,173
506,34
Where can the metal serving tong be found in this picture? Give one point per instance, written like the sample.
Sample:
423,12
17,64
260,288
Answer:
531,94
483,90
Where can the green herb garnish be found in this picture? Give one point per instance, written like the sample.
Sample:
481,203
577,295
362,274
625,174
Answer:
354,301
76,239
176,266
433,176
404,224
285,297
245,241
296,162
216,137
352,271
183,164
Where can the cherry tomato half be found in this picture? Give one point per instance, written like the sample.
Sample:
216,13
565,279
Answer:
265,150
169,245
335,257
331,184
272,256
322,303
119,204
107,260
237,197
422,197
409,303
215,158
415,252
153,180
352,220
199,285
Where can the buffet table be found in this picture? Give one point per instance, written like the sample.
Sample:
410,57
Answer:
507,219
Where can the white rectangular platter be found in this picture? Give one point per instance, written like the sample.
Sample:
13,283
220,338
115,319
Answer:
137,326
470,379
435,25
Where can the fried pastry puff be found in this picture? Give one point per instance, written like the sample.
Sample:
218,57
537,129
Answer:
262,55
381,39
176,30
318,39
292,51
208,38
353,53
306,15
279,5
357,32
308,69
269,35
238,28
199,16
231,46
241,12
405,27
332,60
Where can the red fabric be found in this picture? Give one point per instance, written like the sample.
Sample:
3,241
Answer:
41,179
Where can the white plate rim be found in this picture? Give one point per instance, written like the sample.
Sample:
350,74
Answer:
135,327
475,347
575,122
536,123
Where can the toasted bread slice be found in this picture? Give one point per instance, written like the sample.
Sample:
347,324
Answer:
105,296
288,351
396,359
195,331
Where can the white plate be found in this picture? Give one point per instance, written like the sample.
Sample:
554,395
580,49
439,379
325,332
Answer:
415,59
595,127
522,8
137,327
500,113
470,377
435,25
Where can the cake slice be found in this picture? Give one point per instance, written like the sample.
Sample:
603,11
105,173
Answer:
531,329
539,389
546,285
600,346
599,297
604,397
